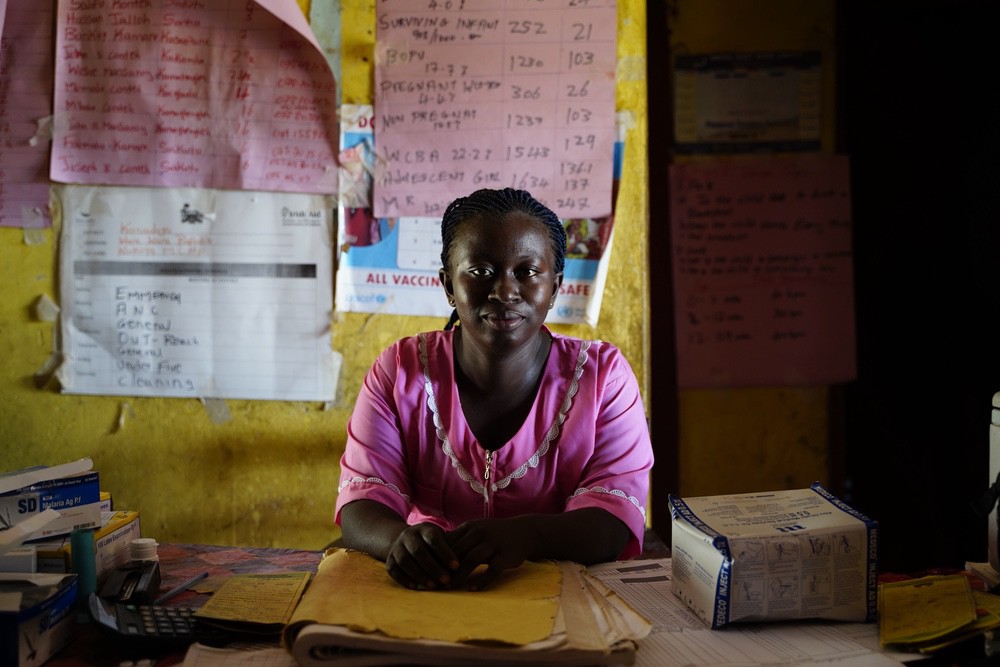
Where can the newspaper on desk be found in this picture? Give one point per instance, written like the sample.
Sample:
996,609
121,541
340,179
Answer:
781,555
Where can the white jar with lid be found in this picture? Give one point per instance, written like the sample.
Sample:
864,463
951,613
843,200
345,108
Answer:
143,548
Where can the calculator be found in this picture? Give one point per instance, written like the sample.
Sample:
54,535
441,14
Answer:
152,625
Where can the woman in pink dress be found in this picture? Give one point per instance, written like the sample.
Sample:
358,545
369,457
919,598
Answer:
496,441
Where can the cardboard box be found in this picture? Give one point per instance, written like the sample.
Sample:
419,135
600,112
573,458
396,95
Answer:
34,627
773,556
19,559
14,480
111,544
76,497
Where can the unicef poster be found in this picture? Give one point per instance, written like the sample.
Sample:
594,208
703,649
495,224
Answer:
390,265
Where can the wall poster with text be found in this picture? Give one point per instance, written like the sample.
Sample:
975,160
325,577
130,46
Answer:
390,264
763,272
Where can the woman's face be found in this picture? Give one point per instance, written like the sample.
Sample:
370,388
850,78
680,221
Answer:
501,277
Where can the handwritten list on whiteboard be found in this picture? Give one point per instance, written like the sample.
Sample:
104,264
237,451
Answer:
223,94
763,272
505,93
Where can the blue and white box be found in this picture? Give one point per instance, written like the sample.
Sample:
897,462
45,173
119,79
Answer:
76,497
780,555
37,616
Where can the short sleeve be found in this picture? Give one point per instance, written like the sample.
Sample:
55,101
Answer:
616,478
373,465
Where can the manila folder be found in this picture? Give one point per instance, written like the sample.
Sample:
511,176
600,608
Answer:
354,614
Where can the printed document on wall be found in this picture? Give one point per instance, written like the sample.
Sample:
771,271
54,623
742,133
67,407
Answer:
198,293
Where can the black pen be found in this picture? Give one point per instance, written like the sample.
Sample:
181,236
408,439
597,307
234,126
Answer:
181,588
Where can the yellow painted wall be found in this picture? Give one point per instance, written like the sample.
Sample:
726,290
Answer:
265,473
741,440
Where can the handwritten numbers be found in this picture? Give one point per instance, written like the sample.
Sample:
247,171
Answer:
523,62
578,115
527,28
446,5
580,141
580,59
538,77
582,32
575,90
520,93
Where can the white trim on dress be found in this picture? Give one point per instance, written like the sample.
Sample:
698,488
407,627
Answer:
534,459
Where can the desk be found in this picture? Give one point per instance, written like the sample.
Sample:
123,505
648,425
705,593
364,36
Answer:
180,562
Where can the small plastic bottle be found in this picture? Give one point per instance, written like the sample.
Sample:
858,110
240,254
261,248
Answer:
82,554
143,548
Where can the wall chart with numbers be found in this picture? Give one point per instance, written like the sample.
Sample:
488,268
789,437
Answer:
390,264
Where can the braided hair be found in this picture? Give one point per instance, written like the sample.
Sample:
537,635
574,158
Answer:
494,205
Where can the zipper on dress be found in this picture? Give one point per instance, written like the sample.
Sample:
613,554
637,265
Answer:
489,464
486,482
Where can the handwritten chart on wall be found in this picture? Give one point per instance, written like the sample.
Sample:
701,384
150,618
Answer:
225,94
505,93
763,273
25,100
196,293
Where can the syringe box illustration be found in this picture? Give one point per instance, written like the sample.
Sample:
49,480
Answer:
769,556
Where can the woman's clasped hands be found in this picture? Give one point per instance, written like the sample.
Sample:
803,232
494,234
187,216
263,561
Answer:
471,557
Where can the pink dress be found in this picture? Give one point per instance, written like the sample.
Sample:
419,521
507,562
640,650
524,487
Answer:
585,442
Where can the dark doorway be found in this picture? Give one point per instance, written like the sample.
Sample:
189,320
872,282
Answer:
920,120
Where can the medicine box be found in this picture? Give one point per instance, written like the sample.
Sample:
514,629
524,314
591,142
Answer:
35,623
111,544
19,559
779,555
76,497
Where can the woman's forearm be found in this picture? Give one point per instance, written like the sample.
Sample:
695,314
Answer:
370,526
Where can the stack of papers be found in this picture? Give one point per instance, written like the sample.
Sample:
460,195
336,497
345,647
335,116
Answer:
985,572
542,613
930,613
255,604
